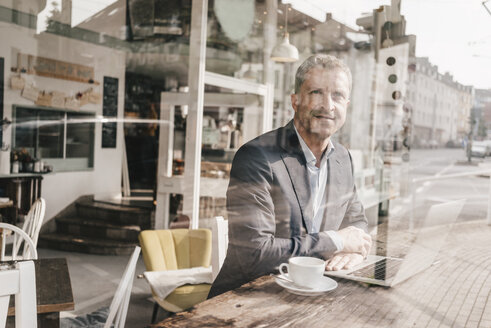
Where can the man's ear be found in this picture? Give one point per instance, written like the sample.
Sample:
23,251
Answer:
294,98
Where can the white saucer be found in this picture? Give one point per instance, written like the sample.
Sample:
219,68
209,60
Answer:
326,284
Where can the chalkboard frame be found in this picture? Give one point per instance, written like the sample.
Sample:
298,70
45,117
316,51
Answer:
110,111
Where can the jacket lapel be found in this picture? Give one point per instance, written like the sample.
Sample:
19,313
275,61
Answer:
300,181
295,163
333,190
329,221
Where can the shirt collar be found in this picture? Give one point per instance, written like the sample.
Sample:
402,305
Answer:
309,156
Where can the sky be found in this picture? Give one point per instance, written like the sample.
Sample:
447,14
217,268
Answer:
454,34
81,10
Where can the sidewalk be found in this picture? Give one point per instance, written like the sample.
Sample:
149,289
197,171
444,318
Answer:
95,279
453,292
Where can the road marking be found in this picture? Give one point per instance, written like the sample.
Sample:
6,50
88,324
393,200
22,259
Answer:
135,289
429,183
98,271
438,199
396,210
66,314
81,306
138,290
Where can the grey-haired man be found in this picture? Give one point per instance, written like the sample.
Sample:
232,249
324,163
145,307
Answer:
292,191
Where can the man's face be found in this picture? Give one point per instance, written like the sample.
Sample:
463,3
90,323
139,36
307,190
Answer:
320,105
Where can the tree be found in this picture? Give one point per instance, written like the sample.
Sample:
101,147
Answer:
53,16
481,129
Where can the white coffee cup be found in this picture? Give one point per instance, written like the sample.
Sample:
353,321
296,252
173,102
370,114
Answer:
304,271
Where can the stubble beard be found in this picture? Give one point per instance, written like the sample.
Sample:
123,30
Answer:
318,131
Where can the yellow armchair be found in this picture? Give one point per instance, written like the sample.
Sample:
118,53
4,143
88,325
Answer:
177,249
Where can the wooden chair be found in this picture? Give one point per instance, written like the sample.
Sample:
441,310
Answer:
34,220
19,280
20,242
176,249
219,244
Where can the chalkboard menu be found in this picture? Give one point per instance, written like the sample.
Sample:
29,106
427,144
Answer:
1,98
109,110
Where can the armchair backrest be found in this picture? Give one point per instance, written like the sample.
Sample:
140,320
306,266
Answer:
175,249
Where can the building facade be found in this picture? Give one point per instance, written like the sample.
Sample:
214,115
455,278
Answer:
440,105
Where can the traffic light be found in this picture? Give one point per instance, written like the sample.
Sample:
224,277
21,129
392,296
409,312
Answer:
392,77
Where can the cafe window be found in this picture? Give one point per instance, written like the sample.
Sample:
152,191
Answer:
63,140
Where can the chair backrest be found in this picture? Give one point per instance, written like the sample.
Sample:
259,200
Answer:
175,249
19,238
34,220
21,282
119,304
219,244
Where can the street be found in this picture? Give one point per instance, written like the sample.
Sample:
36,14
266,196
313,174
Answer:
428,163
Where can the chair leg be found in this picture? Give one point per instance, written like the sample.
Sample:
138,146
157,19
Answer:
156,307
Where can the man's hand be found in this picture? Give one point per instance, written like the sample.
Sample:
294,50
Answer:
343,261
355,240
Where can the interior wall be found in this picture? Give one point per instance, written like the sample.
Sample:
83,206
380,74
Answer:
60,189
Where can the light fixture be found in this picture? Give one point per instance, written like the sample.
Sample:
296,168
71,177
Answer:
285,52
249,74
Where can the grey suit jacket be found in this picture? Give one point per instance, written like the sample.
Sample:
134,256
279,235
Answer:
270,207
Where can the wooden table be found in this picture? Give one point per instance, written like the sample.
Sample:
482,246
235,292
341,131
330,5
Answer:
455,292
53,292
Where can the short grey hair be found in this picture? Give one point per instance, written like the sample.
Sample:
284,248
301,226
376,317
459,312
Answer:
326,61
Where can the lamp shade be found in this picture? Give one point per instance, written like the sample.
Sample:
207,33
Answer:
285,52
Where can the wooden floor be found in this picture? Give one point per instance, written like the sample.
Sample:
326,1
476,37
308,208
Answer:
455,292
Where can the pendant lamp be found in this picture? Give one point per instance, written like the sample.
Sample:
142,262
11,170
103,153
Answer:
285,52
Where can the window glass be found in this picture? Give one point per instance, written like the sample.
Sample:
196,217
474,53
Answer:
64,140
51,129
106,94
80,137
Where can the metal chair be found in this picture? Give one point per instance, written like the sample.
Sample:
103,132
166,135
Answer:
20,242
19,279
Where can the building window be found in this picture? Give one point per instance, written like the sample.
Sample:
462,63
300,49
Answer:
60,138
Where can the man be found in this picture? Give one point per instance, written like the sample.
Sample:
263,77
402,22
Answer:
292,191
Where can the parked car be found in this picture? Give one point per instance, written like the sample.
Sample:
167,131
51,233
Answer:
433,144
478,150
487,143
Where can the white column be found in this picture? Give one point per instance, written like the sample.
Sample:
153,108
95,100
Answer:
269,33
196,73
164,168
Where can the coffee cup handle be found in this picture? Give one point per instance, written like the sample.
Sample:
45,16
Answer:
282,266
